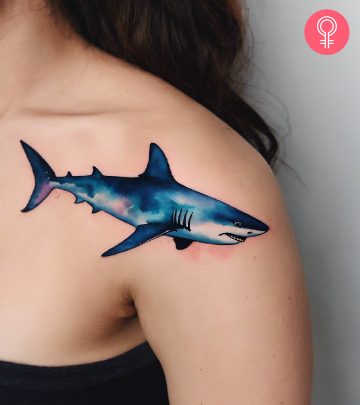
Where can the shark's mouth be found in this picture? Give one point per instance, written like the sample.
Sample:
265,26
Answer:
235,237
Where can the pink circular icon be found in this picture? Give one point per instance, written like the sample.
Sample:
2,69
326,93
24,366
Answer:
327,32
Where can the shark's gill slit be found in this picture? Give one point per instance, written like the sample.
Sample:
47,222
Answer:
179,217
189,227
184,220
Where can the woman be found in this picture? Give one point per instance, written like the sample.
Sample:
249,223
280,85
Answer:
186,286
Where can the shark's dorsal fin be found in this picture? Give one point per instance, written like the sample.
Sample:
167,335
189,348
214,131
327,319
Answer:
96,172
158,167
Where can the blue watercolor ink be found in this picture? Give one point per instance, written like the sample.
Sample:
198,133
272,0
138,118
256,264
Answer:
154,203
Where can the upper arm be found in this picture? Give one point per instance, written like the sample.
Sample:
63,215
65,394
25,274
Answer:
229,323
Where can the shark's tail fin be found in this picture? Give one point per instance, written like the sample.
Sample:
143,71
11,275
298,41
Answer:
43,174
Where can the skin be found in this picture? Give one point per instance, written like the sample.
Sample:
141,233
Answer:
230,324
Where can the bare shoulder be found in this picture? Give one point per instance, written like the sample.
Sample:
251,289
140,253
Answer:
221,294
208,252
210,257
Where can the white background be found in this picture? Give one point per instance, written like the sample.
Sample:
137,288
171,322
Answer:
321,95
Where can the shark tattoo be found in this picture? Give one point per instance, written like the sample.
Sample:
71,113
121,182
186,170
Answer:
154,203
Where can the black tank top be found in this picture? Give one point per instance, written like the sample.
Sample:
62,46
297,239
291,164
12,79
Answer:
131,378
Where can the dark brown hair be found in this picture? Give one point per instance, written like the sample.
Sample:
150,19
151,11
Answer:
197,46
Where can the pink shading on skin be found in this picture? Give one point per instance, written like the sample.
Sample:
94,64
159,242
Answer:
193,251
221,251
196,249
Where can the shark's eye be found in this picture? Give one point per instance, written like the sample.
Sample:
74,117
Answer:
238,224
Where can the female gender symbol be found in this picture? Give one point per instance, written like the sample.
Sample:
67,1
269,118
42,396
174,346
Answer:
326,33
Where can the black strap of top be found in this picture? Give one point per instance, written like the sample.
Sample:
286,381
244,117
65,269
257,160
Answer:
67,376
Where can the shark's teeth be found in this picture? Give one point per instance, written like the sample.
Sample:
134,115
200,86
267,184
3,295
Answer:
235,237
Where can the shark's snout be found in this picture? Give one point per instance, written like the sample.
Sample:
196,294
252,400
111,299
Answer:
248,228
255,232
257,228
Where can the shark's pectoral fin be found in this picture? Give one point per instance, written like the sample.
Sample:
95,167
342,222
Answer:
143,233
182,243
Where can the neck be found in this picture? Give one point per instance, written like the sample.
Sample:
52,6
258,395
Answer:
32,46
